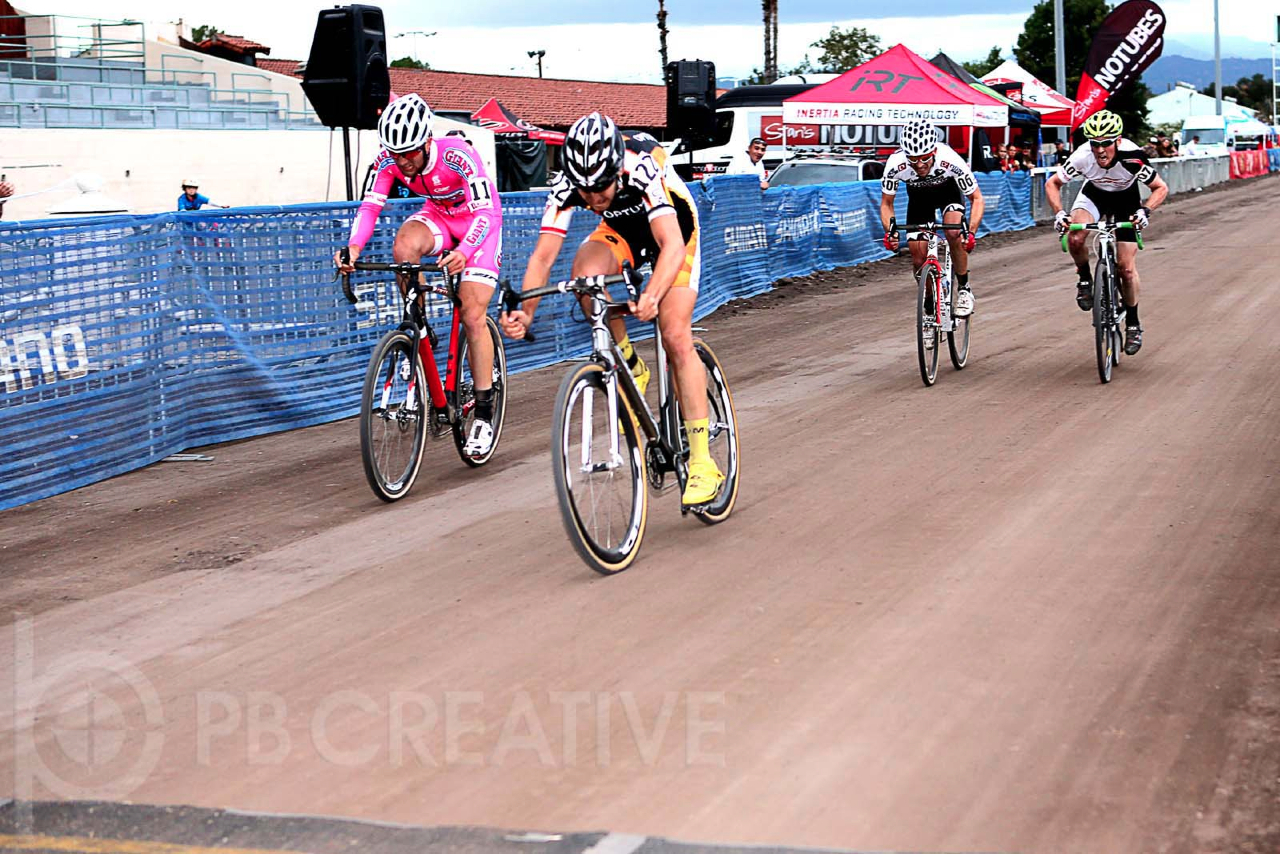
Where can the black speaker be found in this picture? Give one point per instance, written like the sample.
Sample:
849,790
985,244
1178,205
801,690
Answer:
691,99
346,78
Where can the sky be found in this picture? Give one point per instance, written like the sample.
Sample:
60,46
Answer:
608,40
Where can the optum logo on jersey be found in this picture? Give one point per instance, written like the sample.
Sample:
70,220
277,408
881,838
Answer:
60,355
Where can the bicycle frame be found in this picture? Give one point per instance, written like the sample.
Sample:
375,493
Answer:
1105,247
938,256
662,432
443,393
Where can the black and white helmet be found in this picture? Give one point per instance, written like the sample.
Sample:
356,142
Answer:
919,138
593,151
405,125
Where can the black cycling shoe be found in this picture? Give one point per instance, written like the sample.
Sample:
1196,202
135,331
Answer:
1132,340
1084,295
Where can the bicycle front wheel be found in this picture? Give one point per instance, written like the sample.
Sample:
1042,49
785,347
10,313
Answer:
926,324
1103,336
958,338
467,395
723,441
599,472
393,417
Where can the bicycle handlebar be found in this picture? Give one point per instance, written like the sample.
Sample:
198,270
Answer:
1101,226
595,286
403,268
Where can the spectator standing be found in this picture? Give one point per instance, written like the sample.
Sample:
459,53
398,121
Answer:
1061,154
6,190
750,162
1193,147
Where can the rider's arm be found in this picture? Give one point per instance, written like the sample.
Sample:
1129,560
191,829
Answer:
1159,192
977,206
1053,192
538,270
888,192
371,205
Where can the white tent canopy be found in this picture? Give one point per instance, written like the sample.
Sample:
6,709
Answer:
1183,101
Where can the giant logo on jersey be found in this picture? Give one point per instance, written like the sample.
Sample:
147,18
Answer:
459,162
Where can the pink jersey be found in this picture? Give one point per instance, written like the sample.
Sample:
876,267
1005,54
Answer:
453,184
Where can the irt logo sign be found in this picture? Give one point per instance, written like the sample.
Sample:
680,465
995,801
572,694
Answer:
62,355
881,79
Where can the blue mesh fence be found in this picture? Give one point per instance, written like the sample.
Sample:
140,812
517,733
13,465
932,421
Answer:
126,339
1273,154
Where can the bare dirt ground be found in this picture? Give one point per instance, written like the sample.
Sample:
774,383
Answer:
1017,611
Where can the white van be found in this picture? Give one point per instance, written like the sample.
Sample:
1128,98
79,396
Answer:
750,111
1212,131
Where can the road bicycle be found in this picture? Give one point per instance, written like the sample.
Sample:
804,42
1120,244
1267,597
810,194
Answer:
606,443
1108,300
935,301
395,417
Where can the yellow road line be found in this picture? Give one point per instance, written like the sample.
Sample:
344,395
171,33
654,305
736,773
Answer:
82,845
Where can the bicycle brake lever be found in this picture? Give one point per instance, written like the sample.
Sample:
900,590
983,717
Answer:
511,302
346,278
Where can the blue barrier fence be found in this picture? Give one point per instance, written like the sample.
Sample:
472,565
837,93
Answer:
1273,154
126,339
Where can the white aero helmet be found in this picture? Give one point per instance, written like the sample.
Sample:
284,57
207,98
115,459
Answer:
593,152
919,138
405,125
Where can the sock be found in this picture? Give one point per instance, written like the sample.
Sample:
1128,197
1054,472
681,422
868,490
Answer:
699,438
1085,275
484,404
963,279
1131,315
628,351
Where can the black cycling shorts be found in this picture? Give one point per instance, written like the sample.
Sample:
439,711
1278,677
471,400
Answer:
1121,204
923,203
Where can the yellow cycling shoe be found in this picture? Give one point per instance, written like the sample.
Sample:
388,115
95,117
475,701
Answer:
704,483
640,371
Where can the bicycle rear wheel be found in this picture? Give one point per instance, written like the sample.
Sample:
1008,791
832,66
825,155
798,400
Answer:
958,338
467,395
926,325
1103,338
723,442
393,416
603,499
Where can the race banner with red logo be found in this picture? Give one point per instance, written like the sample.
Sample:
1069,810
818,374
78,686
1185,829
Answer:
1129,40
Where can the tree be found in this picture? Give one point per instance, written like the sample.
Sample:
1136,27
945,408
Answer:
662,34
1252,92
1081,19
409,62
205,31
845,49
769,9
984,66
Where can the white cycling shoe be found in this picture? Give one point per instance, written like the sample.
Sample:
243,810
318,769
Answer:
479,440
964,302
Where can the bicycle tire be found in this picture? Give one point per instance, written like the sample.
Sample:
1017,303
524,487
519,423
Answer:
723,441
466,396
959,351
393,412
1117,326
584,387
1102,336
928,281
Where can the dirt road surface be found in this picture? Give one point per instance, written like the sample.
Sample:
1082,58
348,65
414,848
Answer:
1017,611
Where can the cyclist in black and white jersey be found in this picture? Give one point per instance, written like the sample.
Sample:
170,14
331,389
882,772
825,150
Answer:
936,178
1111,167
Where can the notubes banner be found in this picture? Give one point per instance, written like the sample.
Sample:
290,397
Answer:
1129,40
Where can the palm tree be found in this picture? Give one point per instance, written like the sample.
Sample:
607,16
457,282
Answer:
770,9
662,33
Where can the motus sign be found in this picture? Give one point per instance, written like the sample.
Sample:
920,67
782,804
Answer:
33,357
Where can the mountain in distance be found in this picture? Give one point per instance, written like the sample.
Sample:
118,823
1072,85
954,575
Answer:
1200,46
1168,70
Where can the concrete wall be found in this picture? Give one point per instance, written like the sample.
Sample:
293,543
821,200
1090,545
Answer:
189,66
143,169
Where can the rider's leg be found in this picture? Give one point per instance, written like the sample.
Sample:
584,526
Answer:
1127,267
675,321
475,297
959,255
415,239
1085,212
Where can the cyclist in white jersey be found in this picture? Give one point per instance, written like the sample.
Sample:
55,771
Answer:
1111,167
936,177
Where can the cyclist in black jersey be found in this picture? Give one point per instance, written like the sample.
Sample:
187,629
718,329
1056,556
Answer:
1111,167
647,215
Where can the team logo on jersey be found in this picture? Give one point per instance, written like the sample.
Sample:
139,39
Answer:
459,162
479,229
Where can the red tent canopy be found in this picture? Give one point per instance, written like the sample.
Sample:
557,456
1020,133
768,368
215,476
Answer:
895,88
497,118
1054,108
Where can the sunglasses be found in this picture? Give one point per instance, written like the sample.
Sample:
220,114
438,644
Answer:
1101,143
405,155
920,161
601,185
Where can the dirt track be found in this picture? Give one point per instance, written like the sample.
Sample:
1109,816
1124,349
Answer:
1017,611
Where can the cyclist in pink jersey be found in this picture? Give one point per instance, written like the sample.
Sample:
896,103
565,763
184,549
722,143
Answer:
461,220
